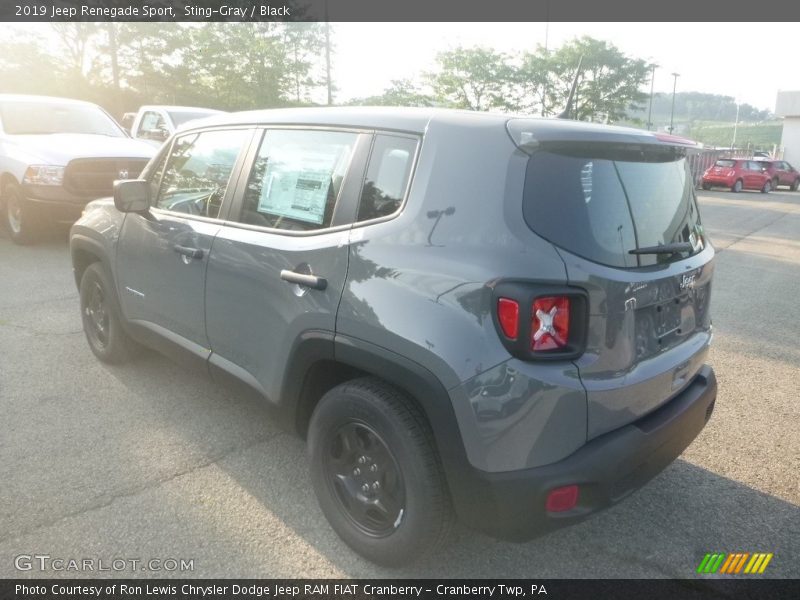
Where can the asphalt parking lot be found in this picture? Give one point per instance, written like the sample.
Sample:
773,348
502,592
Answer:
146,461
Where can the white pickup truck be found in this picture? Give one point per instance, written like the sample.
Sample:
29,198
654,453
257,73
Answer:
155,124
56,155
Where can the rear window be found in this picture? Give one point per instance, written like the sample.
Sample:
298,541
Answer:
179,117
601,204
387,176
725,163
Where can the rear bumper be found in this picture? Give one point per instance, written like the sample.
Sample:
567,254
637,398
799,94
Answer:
511,505
719,181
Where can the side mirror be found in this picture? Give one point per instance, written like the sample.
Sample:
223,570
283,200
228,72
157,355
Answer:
131,195
158,135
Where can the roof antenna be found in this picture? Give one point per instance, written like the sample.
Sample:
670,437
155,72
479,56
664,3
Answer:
565,114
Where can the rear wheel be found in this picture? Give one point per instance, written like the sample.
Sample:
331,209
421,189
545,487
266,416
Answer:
21,221
767,187
775,183
737,186
376,473
102,321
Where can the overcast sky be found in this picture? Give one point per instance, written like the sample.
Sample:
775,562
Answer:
749,61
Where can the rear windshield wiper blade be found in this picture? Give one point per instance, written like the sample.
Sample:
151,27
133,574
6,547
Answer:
664,249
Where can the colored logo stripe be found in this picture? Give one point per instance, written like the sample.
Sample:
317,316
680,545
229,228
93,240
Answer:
758,563
733,563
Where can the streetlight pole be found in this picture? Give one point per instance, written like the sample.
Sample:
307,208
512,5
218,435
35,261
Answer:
650,109
735,126
672,112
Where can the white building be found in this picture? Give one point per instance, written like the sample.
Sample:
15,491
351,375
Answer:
787,105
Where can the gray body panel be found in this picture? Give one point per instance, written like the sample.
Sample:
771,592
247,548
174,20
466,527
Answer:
417,285
158,285
625,372
253,317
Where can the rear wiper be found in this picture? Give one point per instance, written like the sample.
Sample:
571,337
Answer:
664,249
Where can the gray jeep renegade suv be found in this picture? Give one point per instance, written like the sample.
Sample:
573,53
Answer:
504,319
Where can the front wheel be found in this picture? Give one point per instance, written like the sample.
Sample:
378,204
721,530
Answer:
767,188
102,322
737,186
376,472
706,186
775,183
795,185
22,223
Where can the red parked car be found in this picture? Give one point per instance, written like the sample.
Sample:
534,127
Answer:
782,173
738,174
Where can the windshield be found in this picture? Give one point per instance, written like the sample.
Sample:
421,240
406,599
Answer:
40,118
604,203
179,117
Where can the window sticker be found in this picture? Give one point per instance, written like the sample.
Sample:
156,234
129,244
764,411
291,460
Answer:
297,185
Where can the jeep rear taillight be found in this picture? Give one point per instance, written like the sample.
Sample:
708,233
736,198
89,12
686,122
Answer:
550,323
540,321
508,316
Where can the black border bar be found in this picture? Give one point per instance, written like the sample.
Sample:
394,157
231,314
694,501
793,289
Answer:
402,10
743,588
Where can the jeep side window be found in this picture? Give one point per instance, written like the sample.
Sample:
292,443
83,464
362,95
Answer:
198,170
387,176
296,179
154,175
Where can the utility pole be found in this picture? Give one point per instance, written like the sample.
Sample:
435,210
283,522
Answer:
328,55
672,112
112,43
735,126
650,109
546,51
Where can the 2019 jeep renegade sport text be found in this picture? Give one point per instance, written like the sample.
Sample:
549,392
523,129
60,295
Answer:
500,318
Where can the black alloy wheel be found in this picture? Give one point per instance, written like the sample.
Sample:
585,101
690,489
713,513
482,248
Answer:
364,475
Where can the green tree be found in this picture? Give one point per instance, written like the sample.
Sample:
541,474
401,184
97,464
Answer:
231,66
533,79
473,78
610,83
401,92
305,45
28,68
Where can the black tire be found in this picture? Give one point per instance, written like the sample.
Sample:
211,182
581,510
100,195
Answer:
393,443
706,186
20,219
102,322
775,183
795,185
767,187
737,186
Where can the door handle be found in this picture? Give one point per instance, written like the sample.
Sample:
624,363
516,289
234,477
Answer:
186,251
311,281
